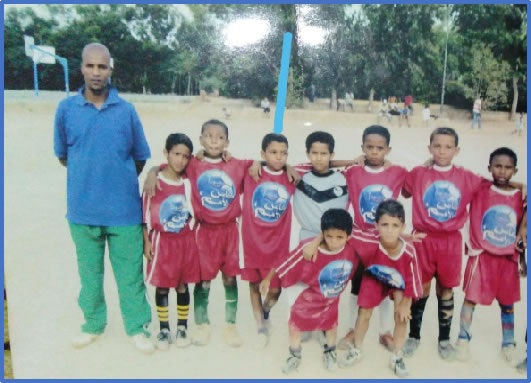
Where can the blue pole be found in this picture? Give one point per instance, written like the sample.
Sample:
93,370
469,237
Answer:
282,83
35,79
64,63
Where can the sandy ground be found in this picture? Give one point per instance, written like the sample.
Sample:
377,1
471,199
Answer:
43,283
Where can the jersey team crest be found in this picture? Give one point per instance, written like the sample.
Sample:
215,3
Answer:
498,226
216,189
441,200
270,201
173,213
334,278
370,198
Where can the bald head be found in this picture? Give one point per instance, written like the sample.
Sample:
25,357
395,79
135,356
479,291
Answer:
96,48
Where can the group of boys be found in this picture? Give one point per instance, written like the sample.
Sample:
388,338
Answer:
331,251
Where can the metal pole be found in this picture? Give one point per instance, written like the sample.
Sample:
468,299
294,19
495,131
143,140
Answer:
445,59
35,79
64,63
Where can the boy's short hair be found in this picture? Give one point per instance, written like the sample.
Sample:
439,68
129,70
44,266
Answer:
503,151
273,137
319,136
392,208
447,131
377,129
215,122
176,139
338,219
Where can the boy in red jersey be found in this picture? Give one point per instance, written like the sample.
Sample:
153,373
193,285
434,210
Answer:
169,243
316,305
368,186
440,194
492,268
266,227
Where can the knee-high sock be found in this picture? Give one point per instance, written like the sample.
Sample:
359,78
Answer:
183,306
467,313
161,300
201,304
231,302
446,314
417,311
507,319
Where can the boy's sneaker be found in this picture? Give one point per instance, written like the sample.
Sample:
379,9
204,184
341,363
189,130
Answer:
292,364
410,347
231,336
143,343
201,335
262,338
163,339
181,337
353,356
386,340
330,359
509,355
522,367
446,350
84,339
462,350
397,365
347,341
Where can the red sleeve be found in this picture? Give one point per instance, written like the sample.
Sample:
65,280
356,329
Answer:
303,168
366,244
294,268
410,180
412,278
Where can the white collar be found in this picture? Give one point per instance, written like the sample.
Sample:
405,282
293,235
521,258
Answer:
443,168
396,256
212,160
275,173
170,182
372,170
328,252
502,191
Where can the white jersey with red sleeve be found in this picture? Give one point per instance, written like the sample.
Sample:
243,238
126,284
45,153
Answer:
367,187
266,218
440,196
316,306
494,218
216,188
170,209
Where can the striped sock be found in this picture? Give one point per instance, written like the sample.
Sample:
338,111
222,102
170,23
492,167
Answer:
446,314
231,302
183,306
161,300
201,304
507,319
466,321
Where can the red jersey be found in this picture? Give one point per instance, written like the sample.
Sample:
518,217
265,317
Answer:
494,218
316,306
216,188
368,187
440,196
170,209
266,218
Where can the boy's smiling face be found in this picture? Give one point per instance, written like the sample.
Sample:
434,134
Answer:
502,169
375,149
320,157
275,155
214,140
443,149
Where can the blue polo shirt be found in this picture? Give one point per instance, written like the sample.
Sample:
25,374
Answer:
101,146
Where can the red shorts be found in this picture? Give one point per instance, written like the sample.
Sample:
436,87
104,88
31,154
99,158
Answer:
440,255
258,275
489,276
175,259
218,247
372,292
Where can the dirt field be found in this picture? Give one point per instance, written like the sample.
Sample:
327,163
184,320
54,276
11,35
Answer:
41,272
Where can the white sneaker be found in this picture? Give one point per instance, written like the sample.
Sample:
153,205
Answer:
353,355
201,335
462,350
143,343
262,339
163,339
84,339
397,365
509,355
181,338
231,336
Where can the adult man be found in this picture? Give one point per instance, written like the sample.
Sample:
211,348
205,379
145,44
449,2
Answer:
476,113
99,138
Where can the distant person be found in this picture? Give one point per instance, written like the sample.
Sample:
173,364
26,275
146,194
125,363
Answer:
264,104
349,100
99,138
384,111
311,93
408,101
404,115
426,115
393,106
476,113
519,124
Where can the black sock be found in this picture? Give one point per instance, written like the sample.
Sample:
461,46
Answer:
417,311
446,313
328,348
183,305
161,300
266,314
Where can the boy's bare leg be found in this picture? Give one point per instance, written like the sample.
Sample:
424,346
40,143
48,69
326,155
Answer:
399,333
362,325
331,337
271,299
256,304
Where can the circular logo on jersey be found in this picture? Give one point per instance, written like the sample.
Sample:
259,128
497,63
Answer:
333,278
338,191
370,198
216,189
270,201
173,213
441,200
498,225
